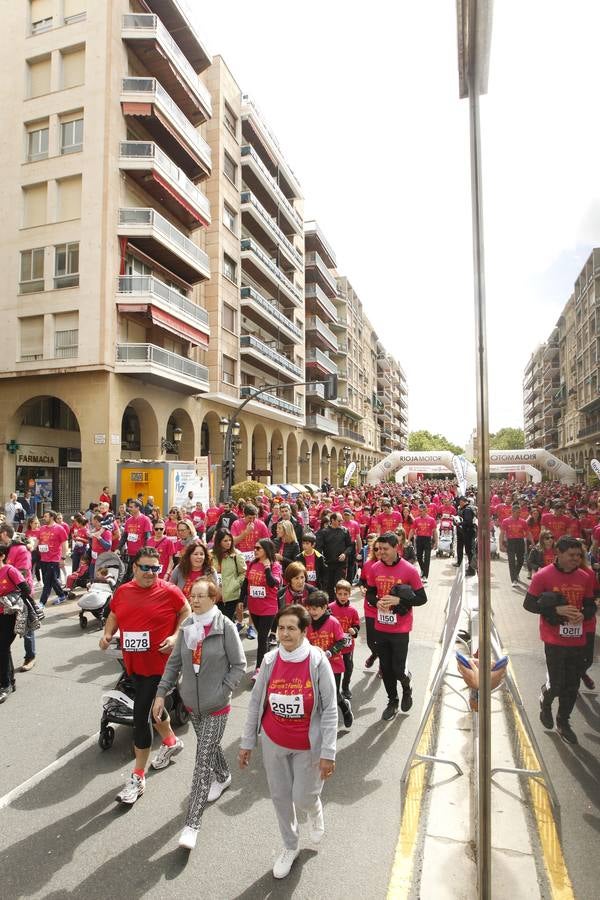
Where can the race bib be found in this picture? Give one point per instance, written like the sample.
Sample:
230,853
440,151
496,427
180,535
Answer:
288,706
311,575
571,630
257,590
132,538
172,538
43,548
248,555
348,640
136,641
386,618
94,554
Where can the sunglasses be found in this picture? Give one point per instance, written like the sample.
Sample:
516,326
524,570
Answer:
159,529
143,567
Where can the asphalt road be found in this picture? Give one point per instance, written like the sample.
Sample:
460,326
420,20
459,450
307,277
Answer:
575,771
66,836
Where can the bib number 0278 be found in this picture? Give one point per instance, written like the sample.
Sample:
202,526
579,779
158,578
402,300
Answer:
136,641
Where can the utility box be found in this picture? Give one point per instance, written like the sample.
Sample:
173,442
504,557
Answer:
168,482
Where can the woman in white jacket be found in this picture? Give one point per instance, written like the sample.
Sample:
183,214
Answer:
294,708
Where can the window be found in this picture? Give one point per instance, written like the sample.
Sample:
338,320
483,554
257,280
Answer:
68,199
38,75
66,335
228,370
41,15
230,120
31,336
74,11
37,143
230,218
32,271
230,169
73,67
34,204
229,316
71,136
66,265
229,268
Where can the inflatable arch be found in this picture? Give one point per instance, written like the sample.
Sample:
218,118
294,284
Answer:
429,460
541,459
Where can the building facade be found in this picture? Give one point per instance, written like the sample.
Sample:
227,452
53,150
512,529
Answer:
158,268
561,396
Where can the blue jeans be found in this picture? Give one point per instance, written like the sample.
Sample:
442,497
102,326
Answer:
29,644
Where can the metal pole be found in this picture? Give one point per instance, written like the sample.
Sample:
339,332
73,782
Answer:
484,843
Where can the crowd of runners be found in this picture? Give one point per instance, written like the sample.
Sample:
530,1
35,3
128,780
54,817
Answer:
301,578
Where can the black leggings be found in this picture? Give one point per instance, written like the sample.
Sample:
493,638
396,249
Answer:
343,704
348,669
7,636
263,626
393,650
565,665
229,607
145,692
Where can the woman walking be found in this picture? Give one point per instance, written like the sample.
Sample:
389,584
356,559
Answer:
230,568
209,657
195,563
263,580
294,708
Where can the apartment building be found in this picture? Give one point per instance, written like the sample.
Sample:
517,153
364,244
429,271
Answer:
562,400
155,258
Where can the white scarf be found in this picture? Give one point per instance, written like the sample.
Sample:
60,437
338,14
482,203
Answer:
194,634
297,655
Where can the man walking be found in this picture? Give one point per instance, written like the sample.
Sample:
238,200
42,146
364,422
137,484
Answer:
513,532
465,534
335,543
424,530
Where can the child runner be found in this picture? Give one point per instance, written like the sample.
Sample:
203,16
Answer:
326,632
347,616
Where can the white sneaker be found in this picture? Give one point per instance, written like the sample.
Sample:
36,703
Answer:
134,788
217,788
316,825
188,838
165,754
284,863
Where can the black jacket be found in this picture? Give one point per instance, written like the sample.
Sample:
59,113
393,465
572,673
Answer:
331,542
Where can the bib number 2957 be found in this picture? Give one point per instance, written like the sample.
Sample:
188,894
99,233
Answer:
288,706
136,641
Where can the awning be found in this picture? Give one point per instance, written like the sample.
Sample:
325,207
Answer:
167,321
180,199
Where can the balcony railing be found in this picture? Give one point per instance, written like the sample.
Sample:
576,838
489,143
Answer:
322,423
150,217
317,356
146,285
315,390
342,347
352,435
252,246
314,292
171,363
313,323
249,342
150,25
248,293
137,85
314,260
148,150
272,400
248,151
270,223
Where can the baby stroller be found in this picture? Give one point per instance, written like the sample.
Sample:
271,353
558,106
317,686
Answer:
445,545
108,574
117,705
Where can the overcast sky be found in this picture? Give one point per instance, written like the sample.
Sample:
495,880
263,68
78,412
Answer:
366,109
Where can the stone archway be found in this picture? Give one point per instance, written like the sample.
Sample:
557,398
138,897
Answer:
315,465
304,462
277,457
259,454
333,467
179,418
324,464
291,460
139,430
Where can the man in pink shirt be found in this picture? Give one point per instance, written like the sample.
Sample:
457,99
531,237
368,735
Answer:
424,531
247,531
51,538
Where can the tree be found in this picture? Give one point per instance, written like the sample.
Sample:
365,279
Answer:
508,439
424,440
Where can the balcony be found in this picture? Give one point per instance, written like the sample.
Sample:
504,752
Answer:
262,178
589,431
314,239
341,324
154,235
253,208
351,435
266,314
316,266
157,365
273,401
263,266
341,348
167,308
315,391
146,98
254,120
163,58
152,169
275,361
176,19
344,404
317,301
319,361
326,424
320,333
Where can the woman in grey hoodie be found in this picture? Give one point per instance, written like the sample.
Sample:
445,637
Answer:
209,656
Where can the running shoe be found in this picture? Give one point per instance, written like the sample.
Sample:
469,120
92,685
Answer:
284,863
58,600
4,692
239,627
347,693
369,661
390,711
134,788
566,732
251,633
217,788
407,699
27,665
166,753
424,579
546,717
316,825
188,838
588,682
347,715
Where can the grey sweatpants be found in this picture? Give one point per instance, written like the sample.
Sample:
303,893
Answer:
294,782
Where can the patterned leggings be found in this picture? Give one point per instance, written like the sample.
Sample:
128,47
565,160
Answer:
209,760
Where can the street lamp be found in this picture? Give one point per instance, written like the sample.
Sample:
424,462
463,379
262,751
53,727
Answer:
347,451
172,446
230,430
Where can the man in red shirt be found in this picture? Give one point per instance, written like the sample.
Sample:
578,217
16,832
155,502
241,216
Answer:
388,519
148,612
556,521
50,540
424,531
514,531
561,595
247,531
136,533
